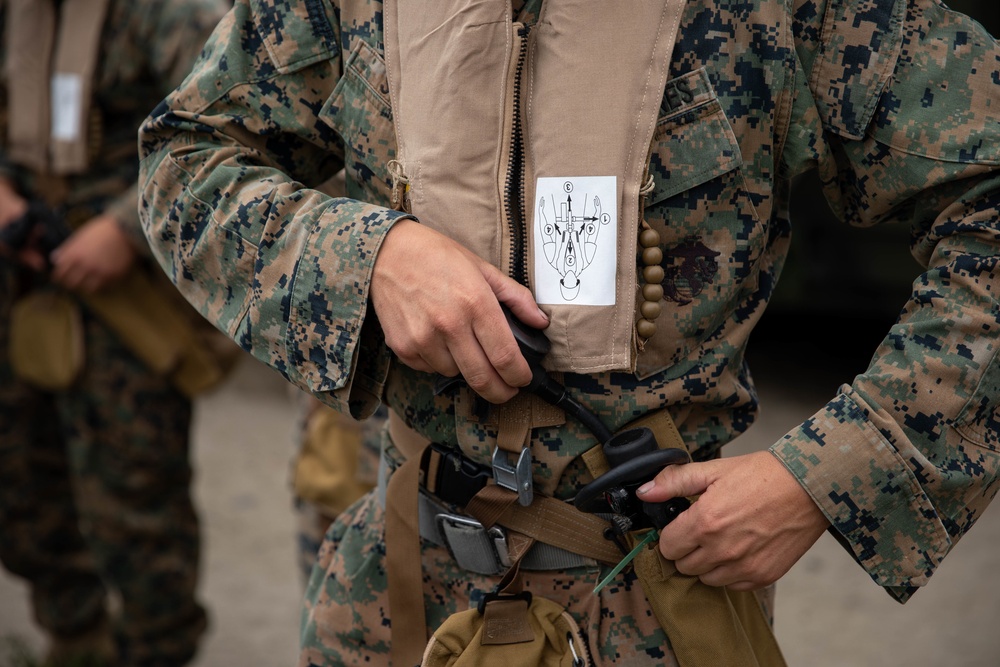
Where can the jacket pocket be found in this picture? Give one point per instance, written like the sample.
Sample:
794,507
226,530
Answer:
979,420
295,34
359,110
711,235
860,43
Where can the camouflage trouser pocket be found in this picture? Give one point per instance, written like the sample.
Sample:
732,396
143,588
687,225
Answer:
346,600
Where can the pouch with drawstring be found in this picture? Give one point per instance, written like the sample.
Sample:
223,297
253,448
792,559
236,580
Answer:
46,346
513,631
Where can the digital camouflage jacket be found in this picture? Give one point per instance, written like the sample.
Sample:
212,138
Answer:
889,99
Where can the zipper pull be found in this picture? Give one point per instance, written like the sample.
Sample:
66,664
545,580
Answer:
400,185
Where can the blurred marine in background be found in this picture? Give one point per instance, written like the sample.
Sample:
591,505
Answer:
98,358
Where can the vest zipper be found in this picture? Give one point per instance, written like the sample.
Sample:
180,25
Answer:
514,184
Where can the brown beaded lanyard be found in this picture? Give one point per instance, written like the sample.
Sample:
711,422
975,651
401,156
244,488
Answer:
652,271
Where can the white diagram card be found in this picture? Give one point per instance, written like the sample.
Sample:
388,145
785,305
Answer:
576,240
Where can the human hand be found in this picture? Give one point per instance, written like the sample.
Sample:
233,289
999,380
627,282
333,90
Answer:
752,522
12,204
438,304
93,257
12,207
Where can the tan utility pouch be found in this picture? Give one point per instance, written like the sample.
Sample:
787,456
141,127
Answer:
159,333
326,470
47,339
516,632
706,625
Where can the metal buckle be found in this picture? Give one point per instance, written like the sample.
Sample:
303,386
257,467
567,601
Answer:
500,545
496,535
517,478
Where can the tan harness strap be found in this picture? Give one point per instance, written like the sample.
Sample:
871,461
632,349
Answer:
76,59
53,62
514,423
547,520
30,37
404,570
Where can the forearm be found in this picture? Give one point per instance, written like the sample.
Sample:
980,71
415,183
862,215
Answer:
905,460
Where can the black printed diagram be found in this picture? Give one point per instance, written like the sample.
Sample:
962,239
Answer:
577,240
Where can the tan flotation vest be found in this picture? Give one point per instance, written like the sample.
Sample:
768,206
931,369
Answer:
51,60
529,146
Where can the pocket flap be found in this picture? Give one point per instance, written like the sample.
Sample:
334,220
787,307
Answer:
364,78
693,141
295,34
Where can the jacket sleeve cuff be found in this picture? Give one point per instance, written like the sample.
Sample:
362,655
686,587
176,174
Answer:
334,345
877,509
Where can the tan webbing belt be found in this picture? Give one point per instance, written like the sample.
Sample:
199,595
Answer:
547,520
404,567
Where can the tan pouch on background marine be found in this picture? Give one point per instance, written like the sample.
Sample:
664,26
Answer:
162,334
326,469
47,339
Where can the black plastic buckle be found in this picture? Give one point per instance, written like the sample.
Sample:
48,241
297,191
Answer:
457,478
492,597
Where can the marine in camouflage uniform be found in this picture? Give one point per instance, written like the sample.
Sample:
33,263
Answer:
890,101
95,480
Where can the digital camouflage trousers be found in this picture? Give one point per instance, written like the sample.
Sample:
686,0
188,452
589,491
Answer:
95,500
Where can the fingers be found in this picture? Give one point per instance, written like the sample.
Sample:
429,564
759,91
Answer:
680,538
751,523
516,296
483,374
497,341
449,320
690,479
486,355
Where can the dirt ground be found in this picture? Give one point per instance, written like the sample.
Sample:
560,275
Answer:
829,614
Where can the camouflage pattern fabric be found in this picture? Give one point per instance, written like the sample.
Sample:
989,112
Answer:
94,481
890,101
313,515
94,495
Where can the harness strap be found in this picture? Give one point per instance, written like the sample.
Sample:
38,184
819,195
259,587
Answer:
404,572
547,520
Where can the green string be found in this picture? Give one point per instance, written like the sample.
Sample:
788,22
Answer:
651,536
